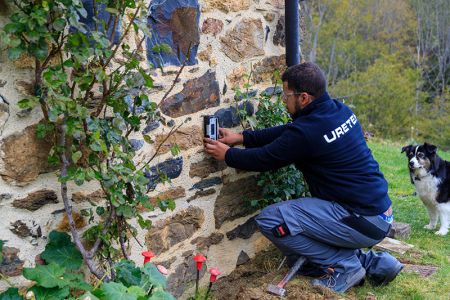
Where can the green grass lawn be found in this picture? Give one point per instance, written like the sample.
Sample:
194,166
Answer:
429,248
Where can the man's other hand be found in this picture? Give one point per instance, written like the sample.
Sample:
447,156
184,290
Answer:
215,148
229,137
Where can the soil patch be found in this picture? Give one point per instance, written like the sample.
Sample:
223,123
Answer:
249,281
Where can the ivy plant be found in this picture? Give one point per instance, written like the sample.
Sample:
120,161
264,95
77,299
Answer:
285,183
92,87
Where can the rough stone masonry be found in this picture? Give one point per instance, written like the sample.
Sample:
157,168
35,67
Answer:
227,36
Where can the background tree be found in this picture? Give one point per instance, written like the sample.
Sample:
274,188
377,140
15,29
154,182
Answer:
354,41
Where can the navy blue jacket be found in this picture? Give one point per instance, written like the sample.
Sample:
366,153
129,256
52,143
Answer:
326,143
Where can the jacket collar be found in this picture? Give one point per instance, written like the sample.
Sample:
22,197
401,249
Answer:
311,106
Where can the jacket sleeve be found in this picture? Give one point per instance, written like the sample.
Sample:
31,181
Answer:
290,147
258,138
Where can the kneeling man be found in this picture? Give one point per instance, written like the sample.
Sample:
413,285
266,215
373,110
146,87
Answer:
349,209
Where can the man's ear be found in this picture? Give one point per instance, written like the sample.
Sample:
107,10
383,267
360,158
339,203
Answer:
406,148
430,148
305,99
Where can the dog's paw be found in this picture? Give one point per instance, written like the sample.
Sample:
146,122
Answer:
441,232
429,226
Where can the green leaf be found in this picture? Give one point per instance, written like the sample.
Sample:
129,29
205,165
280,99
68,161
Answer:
43,129
26,103
13,42
96,146
152,276
76,156
165,48
76,281
161,295
48,276
82,11
14,27
162,48
147,78
42,293
33,36
144,28
39,50
125,210
145,224
53,160
175,150
114,290
88,295
167,204
68,63
127,273
59,24
62,251
136,290
112,10
14,53
100,210
148,139
11,294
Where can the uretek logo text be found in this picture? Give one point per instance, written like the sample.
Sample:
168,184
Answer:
341,130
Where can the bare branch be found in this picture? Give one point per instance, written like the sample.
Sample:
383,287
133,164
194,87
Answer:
121,239
172,131
61,132
98,242
113,31
176,77
134,236
38,86
113,54
112,89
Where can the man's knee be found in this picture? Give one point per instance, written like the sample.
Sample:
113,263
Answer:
268,218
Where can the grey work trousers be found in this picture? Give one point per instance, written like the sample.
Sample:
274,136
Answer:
318,233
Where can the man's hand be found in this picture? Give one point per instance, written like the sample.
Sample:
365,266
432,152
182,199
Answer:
215,148
229,137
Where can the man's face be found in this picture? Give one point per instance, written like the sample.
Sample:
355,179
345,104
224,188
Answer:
290,98
295,101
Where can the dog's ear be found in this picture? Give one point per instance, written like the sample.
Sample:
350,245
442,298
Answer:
406,148
430,148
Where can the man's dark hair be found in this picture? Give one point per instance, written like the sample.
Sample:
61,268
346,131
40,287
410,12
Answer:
306,78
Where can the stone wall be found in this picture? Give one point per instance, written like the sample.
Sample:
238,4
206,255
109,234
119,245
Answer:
227,37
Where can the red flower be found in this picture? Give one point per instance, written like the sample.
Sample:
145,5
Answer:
214,273
199,259
148,255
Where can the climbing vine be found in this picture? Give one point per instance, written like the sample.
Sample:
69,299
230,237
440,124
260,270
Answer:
92,87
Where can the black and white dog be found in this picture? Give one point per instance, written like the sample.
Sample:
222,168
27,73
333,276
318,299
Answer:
430,174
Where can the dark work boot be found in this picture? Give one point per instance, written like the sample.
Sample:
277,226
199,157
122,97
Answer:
340,282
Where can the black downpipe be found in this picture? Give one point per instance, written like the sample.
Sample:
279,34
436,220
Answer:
292,33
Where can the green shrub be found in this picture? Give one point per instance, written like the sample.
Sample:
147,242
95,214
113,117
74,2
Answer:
285,183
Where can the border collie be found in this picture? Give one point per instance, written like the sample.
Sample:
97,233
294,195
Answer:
431,176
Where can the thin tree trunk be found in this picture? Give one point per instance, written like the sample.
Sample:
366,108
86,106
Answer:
316,30
61,133
331,62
